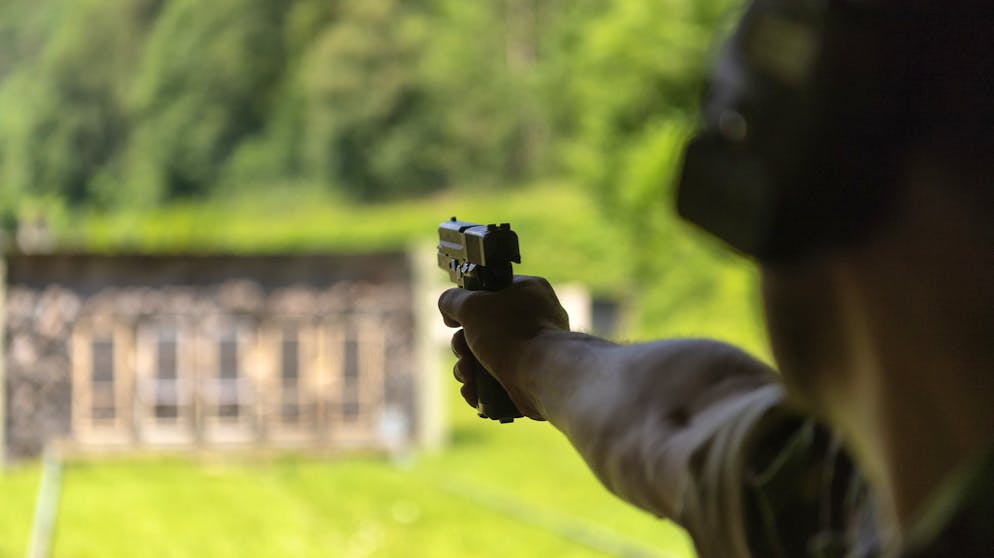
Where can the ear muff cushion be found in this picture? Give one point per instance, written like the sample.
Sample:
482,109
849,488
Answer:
727,192
819,129
756,136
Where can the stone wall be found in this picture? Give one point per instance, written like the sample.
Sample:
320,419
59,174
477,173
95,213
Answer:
47,295
37,366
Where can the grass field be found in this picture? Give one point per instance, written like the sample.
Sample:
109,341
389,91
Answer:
496,491
17,492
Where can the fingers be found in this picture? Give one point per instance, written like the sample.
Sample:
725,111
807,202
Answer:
468,392
464,371
459,346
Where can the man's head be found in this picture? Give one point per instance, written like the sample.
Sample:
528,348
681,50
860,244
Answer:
814,108
845,145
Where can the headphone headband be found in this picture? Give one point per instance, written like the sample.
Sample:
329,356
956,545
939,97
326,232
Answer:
805,116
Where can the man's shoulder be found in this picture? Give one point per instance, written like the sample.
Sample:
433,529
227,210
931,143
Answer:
805,497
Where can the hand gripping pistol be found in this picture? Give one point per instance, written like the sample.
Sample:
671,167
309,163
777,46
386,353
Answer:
478,258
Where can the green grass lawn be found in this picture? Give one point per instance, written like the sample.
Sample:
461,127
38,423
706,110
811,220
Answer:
18,487
496,491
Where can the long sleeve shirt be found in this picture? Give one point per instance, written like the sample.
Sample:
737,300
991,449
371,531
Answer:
748,478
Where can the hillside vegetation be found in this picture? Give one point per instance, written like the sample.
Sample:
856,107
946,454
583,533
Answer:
134,103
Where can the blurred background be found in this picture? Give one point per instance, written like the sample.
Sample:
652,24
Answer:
218,221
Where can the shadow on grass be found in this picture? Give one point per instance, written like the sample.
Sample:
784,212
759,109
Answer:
468,436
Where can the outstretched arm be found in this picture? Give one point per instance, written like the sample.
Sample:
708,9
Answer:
659,423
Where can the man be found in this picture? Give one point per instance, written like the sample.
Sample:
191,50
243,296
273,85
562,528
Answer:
847,147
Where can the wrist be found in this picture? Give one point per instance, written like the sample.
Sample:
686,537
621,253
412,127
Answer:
551,364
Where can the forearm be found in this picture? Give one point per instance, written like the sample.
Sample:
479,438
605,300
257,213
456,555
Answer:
639,413
580,382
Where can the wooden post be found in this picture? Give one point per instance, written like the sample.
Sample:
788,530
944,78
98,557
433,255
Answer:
47,506
429,405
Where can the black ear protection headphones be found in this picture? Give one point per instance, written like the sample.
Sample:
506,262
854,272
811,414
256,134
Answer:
807,110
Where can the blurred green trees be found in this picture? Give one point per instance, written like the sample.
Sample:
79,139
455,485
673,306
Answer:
137,102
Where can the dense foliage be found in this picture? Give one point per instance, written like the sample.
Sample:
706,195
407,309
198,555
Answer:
138,102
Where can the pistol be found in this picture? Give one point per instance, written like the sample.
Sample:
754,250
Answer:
478,258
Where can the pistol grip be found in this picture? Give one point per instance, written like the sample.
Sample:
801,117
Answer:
492,401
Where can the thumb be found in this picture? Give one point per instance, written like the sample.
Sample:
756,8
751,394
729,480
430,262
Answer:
451,304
